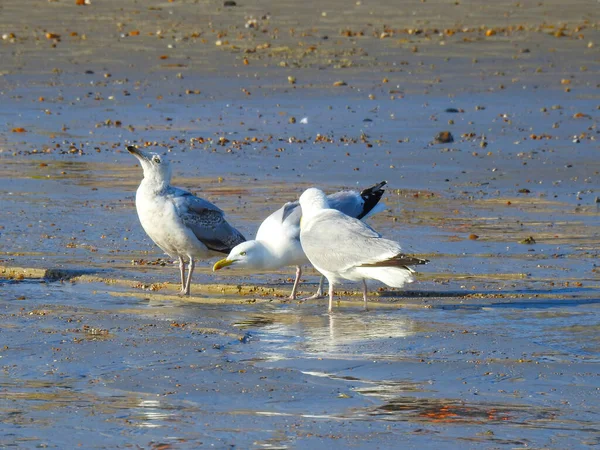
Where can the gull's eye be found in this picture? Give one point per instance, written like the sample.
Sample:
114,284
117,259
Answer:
242,253
156,159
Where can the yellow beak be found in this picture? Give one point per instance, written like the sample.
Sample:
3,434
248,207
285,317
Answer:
222,263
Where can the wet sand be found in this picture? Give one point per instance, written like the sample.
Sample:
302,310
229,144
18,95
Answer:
495,346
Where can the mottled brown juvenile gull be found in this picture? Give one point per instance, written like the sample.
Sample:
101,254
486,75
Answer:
344,248
181,224
277,242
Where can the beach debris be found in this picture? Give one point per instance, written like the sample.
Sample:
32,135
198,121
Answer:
528,240
443,137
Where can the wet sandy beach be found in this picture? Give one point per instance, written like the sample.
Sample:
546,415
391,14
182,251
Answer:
497,344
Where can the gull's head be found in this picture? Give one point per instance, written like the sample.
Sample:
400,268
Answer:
248,254
156,167
313,200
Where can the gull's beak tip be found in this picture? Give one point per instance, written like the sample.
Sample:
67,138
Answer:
139,154
222,263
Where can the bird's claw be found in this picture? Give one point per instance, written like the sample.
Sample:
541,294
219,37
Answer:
315,296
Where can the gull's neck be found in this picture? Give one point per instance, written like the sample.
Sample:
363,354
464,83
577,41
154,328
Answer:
313,205
155,183
266,256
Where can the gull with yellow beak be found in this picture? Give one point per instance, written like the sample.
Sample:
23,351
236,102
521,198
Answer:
277,242
181,224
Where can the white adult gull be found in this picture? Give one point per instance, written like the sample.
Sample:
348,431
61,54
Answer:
277,242
344,248
181,224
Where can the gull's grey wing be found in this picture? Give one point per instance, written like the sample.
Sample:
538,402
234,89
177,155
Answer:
358,205
196,202
207,222
348,202
337,242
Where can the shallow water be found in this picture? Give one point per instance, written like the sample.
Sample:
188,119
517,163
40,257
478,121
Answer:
137,370
495,346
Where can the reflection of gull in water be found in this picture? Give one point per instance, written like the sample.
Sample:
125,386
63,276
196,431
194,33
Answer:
181,224
357,329
343,248
152,412
277,242
316,334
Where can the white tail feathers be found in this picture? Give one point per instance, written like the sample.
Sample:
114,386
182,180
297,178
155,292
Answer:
392,276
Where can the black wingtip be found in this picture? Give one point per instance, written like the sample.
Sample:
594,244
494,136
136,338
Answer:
374,188
371,197
400,260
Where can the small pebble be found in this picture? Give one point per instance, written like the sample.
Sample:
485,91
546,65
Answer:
528,241
443,137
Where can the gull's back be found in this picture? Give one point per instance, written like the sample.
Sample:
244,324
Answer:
184,225
342,247
335,242
206,221
280,233
282,224
285,222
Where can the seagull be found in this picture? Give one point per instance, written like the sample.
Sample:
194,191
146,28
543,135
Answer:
277,242
181,224
344,248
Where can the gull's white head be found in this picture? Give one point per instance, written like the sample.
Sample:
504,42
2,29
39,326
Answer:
249,254
312,201
157,169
